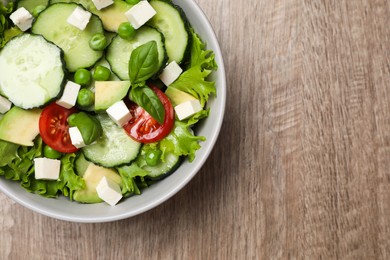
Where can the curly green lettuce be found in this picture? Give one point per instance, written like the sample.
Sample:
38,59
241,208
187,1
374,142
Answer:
194,79
5,22
17,163
132,179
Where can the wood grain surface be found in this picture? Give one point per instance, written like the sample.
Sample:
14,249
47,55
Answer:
302,166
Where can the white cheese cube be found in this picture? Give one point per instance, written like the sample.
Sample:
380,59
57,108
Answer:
75,137
5,105
170,73
109,191
48,169
22,19
119,113
100,4
188,108
140,13
79,18
69,97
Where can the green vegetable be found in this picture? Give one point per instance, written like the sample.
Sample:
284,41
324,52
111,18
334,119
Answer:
17,163
98,42
69,181
132,2
82,77
88,125
143,63
85,97
181,141
101,73
38,9
5,22
193,80
49,152
126,31
132,179
153,157
8,151
148,100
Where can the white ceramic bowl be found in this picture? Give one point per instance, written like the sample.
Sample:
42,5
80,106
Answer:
64,209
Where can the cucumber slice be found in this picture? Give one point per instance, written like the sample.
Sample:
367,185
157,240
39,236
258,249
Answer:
114,148
119,51
52,24
172,23
31,71
87,4
111,16
162,169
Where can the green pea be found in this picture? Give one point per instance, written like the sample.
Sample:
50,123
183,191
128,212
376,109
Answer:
152,157
82,77
126,31
71,119
85,98
101,73
38,9
49,152
132,2
98,42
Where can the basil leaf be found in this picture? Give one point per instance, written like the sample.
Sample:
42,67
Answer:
143,63
89,127
148,100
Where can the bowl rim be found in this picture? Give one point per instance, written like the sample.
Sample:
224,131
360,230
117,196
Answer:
221,93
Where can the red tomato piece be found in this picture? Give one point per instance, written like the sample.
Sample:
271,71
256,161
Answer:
54,128
144,128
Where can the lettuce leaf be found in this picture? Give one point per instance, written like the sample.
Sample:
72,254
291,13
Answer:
5,22
17,163
193,80
132,179
181,141
69,181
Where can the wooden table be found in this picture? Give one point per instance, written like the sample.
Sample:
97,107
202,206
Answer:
302,166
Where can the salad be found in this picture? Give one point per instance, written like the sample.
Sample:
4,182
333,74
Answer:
99,99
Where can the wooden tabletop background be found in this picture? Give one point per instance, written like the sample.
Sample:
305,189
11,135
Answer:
302,166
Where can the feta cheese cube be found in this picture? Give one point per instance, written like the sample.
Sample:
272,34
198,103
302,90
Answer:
170,73
69,97
75,137
140,13
188,108
119,113
22,19
79,18
109,191
5,105
100,4
48,169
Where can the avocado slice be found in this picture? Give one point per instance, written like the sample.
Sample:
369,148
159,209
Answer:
108,93
92,177
113,15
177,96
20,126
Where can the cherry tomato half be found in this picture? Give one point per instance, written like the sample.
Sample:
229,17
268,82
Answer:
144,128
54,128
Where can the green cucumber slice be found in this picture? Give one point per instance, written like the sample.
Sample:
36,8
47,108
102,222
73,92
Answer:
119,51
31,71
172,23
52,24
114,148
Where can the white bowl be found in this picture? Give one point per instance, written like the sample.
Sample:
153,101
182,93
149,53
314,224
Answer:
151,197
